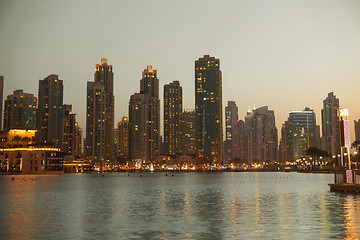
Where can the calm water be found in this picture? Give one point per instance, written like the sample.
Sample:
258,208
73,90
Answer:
183,206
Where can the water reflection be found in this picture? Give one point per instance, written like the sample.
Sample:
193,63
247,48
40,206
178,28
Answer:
183,206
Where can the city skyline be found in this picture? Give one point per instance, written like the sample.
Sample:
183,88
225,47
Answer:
313,53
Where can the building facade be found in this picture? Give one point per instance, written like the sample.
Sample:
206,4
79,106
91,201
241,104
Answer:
188,133
261,135
105,76
31,160
95,122
50,115
144,118
357,130
70,144
172,118
298,134
123,137
208,108
1,100
20,111
330,125
231,119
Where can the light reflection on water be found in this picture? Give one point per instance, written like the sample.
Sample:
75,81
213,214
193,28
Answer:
183,206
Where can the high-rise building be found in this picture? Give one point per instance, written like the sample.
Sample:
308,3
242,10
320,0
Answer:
79,141
330,125
172,118
188,132
144,118
208,108
50,113
299,133
70,143
286,153
95,121
262,135
105,76
1,100
357,130
123,137
231,119
20,111
239,141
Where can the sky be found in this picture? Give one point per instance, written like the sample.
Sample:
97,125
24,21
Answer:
287,55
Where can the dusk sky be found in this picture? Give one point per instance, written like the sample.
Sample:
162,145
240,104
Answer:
283,54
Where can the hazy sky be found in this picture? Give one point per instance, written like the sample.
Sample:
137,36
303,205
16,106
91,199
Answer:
284,54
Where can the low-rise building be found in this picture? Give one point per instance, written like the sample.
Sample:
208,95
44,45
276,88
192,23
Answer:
31,160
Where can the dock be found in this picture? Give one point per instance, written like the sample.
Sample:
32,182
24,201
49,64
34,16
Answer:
345,187
346,181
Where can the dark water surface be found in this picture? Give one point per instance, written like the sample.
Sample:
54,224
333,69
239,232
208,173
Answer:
183,206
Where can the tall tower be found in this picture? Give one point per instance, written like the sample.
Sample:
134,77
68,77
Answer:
50,114
95,121
71,131
20,111
208,108
144,118
123,137
231,119
188,132
172,118
105,76
1,100
330,125
299,133
262,135
357,130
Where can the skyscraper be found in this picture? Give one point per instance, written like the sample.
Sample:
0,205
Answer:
104,75
20,111
144,118
299,133
330,125
95,121
70,128
188,132
123,137
286,153
208,108
261,134
172,118
357,130
231,119
50,114
1,100
239,141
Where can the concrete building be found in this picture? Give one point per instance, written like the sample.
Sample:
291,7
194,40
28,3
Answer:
144,119
208,108
70,144
123,137
357,130
231,119
49,114
1,100
31,160
188,132
261,134
20,111
105,76
330,125
239,149
172,118
95,122
286,153
299,133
